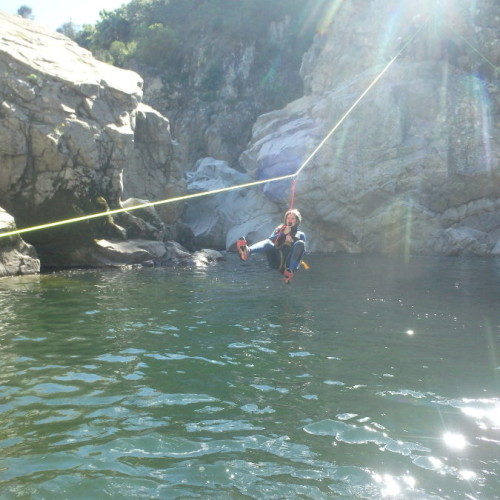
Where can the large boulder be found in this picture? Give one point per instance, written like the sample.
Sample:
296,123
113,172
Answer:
218,220
72,129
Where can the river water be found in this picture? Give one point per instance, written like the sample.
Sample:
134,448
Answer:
366,378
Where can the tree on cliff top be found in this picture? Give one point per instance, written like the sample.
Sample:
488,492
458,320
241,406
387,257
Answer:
182,23
25,11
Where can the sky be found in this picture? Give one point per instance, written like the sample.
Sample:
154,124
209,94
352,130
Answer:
54,13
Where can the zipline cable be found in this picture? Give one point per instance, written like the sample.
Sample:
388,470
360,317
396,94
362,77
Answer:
229,188
358,100
143,205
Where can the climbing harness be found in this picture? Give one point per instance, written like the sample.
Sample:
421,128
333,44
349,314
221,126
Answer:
292,176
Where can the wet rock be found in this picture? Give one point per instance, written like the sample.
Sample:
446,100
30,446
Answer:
16,256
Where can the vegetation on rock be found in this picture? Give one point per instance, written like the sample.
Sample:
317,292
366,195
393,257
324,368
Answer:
164,35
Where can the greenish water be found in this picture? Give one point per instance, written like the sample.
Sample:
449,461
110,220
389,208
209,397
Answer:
367,378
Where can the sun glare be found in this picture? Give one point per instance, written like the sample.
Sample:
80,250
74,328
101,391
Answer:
454,441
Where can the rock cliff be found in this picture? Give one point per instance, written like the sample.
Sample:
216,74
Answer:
414,167
72,131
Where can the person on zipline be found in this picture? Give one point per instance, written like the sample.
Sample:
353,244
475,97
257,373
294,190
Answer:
284,249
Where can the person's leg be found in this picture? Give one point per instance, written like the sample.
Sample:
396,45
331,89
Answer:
261,246
296,254
274,258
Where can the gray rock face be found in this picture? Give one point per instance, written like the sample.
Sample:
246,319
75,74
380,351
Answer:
227,82
414,167
217,221
72,129
153,172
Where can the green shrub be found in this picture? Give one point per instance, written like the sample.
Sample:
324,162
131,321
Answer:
157,46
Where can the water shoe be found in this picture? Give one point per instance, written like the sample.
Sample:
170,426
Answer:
242,248
288,276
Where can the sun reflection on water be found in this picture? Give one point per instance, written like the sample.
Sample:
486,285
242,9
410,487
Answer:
467,475
391,486
454,440
487,415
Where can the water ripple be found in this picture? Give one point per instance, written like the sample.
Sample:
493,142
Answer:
352,434
180,384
